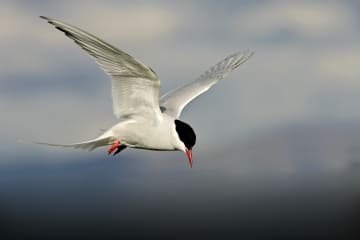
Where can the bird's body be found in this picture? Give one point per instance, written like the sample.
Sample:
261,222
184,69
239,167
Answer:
141,133
146,120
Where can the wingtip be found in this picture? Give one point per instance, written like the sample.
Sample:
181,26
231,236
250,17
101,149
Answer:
241,56
251,53
49,20
248,53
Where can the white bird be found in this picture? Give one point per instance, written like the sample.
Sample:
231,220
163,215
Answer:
146,121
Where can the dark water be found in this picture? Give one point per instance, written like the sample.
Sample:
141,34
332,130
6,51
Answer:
102,199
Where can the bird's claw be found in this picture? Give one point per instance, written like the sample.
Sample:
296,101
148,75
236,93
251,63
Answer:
119,149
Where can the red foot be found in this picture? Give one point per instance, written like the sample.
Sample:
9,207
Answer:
114,146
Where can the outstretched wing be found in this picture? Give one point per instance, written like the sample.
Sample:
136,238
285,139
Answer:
135,87
173,102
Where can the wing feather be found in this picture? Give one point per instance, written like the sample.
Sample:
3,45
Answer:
173,102
135,87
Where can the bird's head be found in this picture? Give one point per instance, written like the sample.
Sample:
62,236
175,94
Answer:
187,136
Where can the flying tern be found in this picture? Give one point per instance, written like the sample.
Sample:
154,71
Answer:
147,120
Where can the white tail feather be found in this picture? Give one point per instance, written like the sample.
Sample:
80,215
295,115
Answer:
87,145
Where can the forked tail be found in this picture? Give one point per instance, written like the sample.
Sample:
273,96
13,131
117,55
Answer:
86,145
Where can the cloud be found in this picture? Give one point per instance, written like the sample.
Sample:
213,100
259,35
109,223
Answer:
303,19
53,83
29,38
341,65
125,22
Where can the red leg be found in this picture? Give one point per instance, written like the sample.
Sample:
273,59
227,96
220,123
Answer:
114,146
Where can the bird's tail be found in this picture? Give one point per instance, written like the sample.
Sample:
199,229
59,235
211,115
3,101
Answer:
87,145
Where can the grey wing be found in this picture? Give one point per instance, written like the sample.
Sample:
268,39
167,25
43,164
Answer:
135,87
173,102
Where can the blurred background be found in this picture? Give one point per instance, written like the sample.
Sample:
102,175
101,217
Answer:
278,142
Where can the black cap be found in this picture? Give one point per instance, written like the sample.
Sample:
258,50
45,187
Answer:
186,134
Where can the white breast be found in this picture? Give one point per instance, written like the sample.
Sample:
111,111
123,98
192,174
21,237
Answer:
142,133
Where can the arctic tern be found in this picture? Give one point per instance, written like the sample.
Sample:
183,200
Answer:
147,121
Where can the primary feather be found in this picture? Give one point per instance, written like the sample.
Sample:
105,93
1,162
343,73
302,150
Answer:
174,102
135,87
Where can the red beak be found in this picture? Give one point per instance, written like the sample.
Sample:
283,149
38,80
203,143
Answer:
189,155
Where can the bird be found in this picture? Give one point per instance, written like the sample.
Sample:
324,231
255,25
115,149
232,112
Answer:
146,120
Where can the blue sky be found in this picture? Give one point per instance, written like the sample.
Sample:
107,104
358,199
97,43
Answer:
304,69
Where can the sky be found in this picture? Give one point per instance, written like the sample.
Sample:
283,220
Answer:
304,67
290,111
